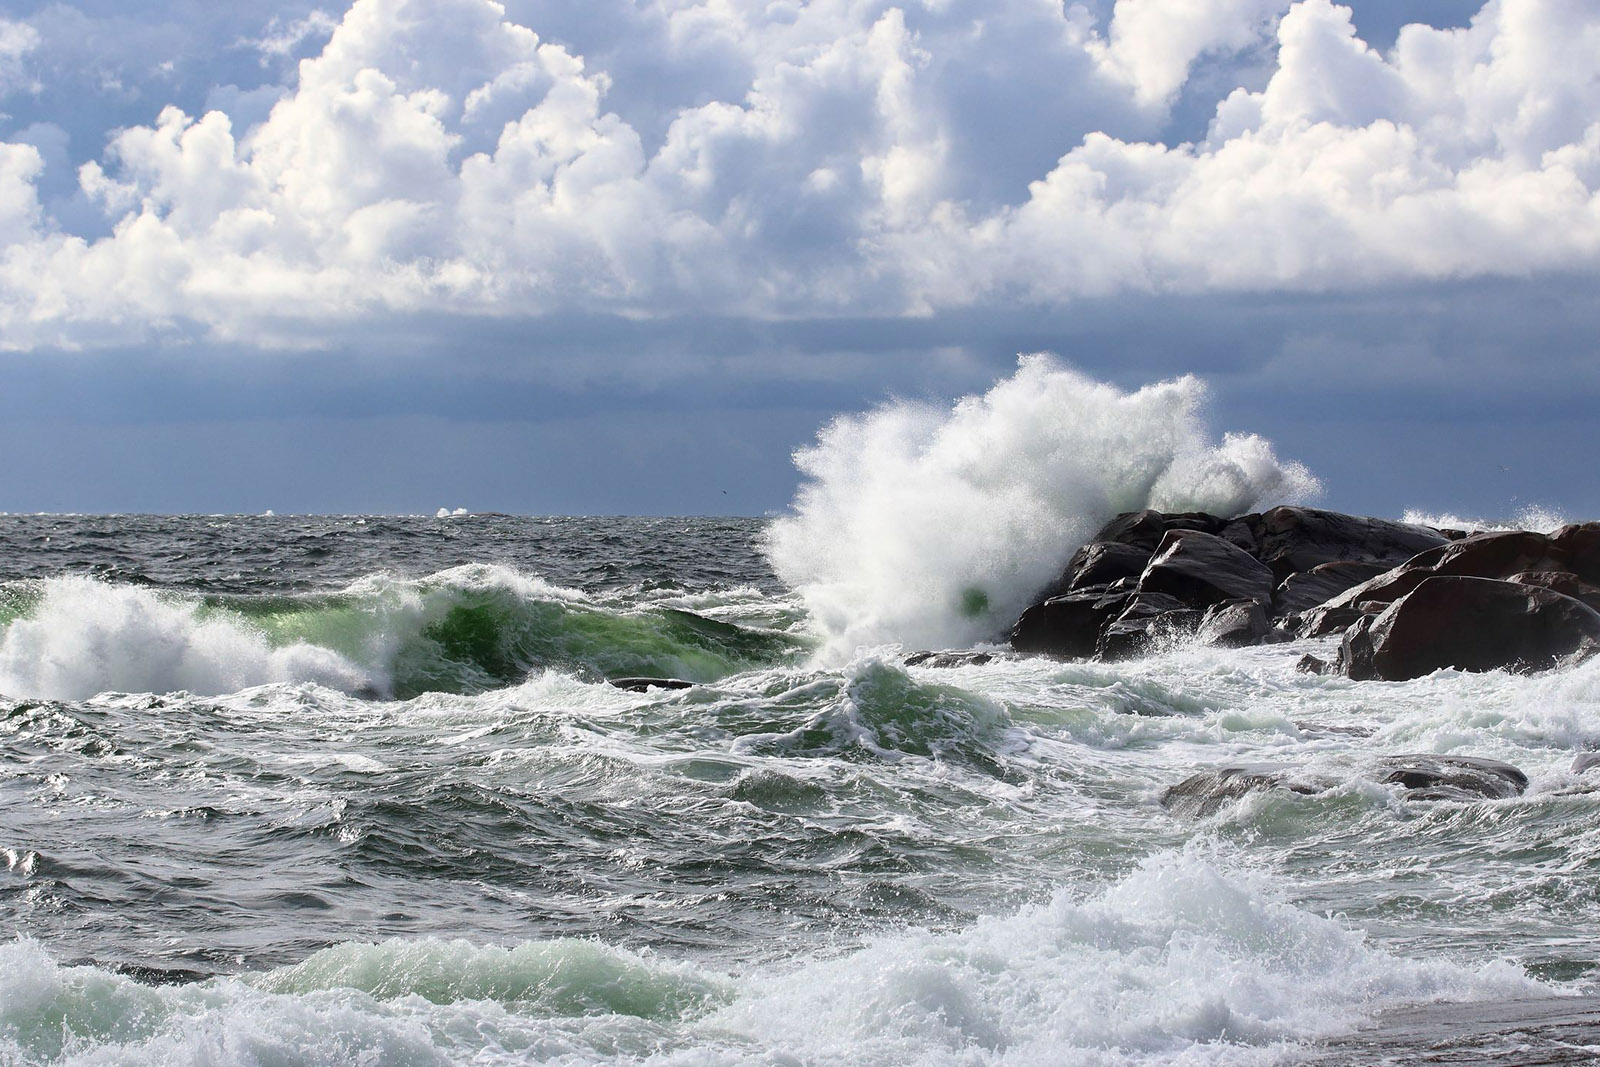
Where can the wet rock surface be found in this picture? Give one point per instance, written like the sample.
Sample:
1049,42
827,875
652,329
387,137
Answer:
1470,624
1149,576
1423,777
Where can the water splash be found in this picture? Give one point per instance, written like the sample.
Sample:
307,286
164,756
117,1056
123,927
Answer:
934,527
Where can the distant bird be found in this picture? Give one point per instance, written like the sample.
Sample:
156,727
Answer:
1503,467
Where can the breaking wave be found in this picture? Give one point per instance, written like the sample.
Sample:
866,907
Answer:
934,528
466,630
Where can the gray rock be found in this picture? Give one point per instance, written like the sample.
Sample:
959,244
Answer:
1235,624
1104,562
1304,590
1146,618
950,658
1470,624
1067,625
1428,777
1202,569
1207,792
1295,539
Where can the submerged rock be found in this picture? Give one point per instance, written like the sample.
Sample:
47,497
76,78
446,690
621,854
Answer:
1205,793
1424,777
639,685
1470,624
949,658
1427,777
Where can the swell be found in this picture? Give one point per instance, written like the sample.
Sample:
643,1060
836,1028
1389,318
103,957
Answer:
465,630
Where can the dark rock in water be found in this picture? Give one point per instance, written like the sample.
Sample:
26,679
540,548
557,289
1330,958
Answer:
1067,625
639,685
1470,624
1103,562
1303,590
1142,529
1324,729
1235,624
1585,761
1145,618
1205,793
1294,539
1202,569
1309,664
1428,777
1497,555
949,659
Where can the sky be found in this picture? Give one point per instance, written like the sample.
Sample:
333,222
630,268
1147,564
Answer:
625,256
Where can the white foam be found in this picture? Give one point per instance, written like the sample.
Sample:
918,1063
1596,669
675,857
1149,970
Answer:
1181,962
87,637
1533,517
934,527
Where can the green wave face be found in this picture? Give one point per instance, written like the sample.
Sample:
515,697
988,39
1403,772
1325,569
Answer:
443,635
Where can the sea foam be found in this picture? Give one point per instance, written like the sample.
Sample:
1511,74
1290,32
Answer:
1181,961
86,637
934,527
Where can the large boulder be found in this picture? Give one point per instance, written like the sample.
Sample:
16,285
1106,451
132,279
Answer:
1235,624
1141,529
1144,619
1294,539
1304,590
1580,546
1103,562
1202,569
1067,625
1470,624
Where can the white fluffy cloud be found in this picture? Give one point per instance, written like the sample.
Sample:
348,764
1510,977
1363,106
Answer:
847,156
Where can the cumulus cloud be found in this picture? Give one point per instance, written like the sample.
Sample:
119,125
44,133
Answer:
17,39
865,158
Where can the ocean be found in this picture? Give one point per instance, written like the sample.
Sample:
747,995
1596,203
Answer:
286,790
281,790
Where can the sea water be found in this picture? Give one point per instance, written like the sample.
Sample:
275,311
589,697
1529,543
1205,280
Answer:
334,790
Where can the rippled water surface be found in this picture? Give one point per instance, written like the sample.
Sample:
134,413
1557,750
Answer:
328,790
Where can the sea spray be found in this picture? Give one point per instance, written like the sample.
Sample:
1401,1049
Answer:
933,527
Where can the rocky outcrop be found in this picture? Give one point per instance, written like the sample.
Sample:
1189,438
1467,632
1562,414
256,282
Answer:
1427,777
1470,624
1306,572
640,685
1294,540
